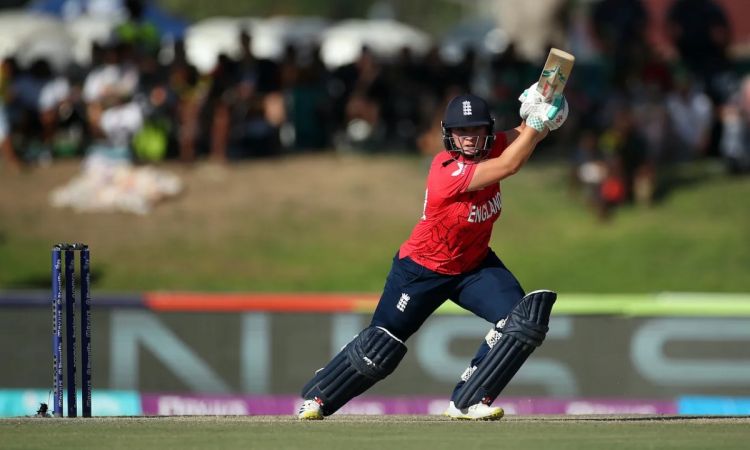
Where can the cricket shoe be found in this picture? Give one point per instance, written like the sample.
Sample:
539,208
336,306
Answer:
310,410
480,411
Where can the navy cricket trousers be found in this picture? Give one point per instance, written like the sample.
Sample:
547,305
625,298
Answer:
413,292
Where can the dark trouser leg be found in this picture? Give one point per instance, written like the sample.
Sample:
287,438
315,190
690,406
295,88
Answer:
410,295
491,292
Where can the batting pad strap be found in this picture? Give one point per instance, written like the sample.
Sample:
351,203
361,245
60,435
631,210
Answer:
524,330
371,356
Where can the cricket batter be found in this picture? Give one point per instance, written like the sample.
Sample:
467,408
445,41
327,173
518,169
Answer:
447,256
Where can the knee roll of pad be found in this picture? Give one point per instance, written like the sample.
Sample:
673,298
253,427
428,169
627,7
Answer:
375,353
524,330
529,320
371,356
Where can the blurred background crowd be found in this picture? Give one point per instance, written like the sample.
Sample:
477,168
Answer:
657,83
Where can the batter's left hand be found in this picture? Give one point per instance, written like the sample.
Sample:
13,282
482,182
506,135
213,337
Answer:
529,99
548,115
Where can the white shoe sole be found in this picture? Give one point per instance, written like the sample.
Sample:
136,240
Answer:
495,415
310,415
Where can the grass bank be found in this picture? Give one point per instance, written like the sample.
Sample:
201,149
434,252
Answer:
332,223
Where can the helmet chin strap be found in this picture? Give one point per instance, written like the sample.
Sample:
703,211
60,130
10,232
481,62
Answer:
478,154
482,147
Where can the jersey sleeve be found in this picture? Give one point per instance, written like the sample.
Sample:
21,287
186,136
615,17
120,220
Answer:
447,179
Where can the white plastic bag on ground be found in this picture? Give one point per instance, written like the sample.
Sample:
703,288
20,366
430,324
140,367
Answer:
107,184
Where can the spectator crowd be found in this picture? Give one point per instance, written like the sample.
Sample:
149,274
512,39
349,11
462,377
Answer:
635,108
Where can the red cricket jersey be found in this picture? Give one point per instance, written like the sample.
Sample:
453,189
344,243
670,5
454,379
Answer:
453,235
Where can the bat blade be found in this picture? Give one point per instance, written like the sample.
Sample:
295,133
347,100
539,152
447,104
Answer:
555,73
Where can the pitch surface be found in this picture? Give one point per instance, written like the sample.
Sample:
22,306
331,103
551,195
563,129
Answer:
349,432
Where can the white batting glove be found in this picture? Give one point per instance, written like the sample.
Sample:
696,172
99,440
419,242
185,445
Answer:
559,114
548,115
529,98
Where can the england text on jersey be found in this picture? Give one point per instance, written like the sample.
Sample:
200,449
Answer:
480,213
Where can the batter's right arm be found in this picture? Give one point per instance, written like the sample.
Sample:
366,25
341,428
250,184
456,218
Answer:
510,161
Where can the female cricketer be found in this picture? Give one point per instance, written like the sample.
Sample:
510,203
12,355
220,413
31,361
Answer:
448,256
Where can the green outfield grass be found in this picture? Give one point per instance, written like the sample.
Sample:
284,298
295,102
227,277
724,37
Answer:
377,433
333,223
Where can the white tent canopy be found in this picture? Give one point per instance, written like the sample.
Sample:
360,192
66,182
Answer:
208,38
62,42
272,35
54,46
480,34
205,40
34,36
30,36
87,30
342,43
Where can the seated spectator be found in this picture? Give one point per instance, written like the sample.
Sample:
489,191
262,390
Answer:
186,91
54,93
9,155
310,107
33,97
589,170
216,108
402,112
6,144
626,152
735,137
252,134
690,114
112,113
363,113
113,80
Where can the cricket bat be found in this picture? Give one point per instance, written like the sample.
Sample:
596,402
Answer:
555,73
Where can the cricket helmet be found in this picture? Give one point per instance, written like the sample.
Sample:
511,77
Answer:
468,110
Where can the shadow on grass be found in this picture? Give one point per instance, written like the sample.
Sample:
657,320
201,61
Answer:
685,176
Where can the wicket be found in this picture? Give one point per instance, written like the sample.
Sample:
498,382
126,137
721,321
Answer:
67,251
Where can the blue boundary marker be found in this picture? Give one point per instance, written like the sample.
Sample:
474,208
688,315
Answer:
713,406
